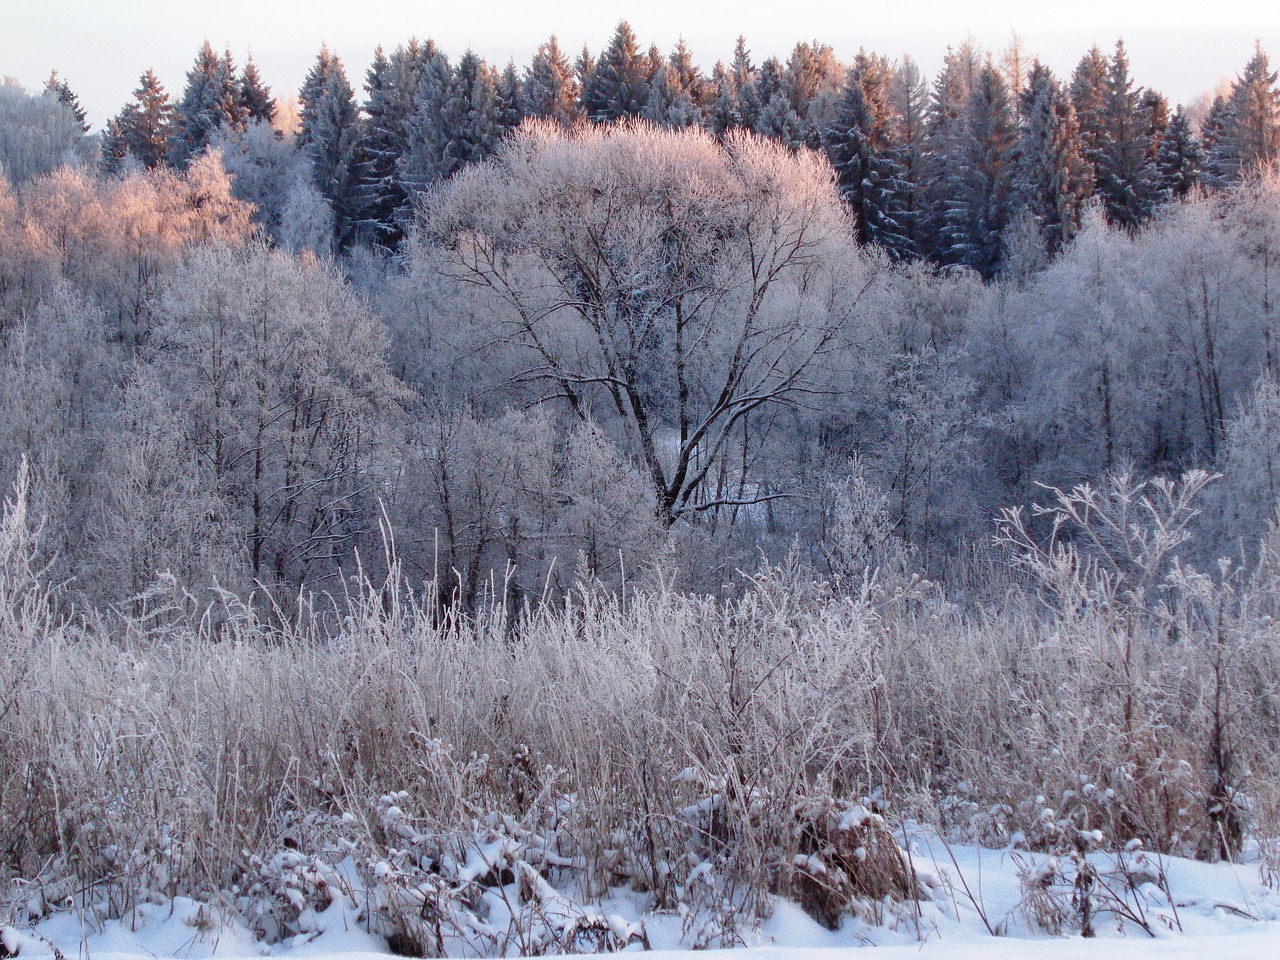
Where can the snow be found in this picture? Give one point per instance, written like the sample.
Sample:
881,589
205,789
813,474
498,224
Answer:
1215,909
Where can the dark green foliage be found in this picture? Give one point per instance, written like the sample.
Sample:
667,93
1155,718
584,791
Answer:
210,101
57,86
1180,162
143,130
618,87
255,96
328,137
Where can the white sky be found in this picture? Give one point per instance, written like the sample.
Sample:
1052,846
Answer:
101,46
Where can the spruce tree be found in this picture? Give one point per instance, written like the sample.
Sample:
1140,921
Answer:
513,107
255,96
1181,161
210,101
618,87
1051,177
551,88
423,161
470,116
1250,136
861,144
980,178
1126,175
58,87
1088,98
143,129
327,136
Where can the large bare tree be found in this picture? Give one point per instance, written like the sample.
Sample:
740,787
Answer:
678,283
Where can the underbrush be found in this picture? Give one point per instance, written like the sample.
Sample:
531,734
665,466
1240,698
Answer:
478,782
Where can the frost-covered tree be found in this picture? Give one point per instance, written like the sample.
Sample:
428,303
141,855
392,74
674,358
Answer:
979,176
862,143
470,116
256,100
1125,164
328,138
679,285
37,134
618,87
1051,177
210,100
384,135
551,88
1180,163
143,130
58,88
1250,135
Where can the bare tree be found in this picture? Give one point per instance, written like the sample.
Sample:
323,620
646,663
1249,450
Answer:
680,283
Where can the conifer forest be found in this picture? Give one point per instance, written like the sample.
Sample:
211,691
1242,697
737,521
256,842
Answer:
612,502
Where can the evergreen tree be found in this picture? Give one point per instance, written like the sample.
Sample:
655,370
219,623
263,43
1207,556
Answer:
812,83
676,91
471,115
947,137
143,130
551,88
1088,98
423,160
1250,136
327,136
210,101
1181,161
980,178
57,87
910,105
861,145
255,96
1126,175
1052,179
618,87
512,105
1217,171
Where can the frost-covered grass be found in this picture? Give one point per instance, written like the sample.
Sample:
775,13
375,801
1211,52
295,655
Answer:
490,785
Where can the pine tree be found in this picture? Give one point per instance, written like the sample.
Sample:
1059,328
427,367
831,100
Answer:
255,96
57,87
210,101
143,130
1181,161
1250,134
328,136
618,87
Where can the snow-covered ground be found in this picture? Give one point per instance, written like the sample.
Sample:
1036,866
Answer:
1214,911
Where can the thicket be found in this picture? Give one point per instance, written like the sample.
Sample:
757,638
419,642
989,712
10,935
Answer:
710,753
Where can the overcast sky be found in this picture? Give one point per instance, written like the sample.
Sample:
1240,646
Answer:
101,46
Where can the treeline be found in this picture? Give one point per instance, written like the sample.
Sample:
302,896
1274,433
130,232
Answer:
618,352
994,151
